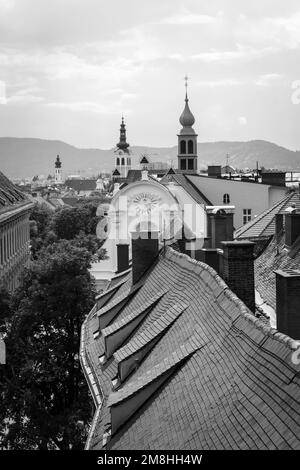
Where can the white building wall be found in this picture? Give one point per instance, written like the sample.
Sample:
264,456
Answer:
243,195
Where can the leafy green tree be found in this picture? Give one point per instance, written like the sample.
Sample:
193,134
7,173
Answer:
68,222
40,219
44,400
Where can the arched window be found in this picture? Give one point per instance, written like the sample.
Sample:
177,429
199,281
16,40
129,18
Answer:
190,146
118,161
226,199
183,147
123,161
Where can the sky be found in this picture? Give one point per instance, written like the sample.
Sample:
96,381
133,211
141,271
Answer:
70,68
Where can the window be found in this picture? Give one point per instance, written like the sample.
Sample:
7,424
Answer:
226,199
183,146
190,147
190,164
246,215
118,161
128,161
183,164
123,161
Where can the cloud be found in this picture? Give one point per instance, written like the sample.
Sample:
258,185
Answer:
243,120
268,79
219,83
240,53
188,18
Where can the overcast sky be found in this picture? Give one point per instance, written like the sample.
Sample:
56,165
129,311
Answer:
69,68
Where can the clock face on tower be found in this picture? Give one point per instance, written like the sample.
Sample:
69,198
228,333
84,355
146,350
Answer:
144,203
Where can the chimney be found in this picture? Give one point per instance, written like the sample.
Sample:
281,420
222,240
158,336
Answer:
278,224
288,302
209,256
122,257
238,270
274,178
292,228
220,228
145,249
214,171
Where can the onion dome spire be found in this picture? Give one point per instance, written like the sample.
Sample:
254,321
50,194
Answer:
187,118
122,144
57,162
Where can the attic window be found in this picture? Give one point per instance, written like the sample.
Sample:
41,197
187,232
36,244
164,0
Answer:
226,199
131,355
126,401
116,334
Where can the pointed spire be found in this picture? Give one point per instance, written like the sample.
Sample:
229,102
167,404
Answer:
122,144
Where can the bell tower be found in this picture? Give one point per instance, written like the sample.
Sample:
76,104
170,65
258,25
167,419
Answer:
58,170
187,139
122,153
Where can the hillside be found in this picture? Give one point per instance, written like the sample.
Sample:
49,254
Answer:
23,157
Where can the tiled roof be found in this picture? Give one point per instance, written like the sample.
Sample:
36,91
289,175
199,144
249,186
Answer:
81,184
10,196
264,224
184,181
235,389
274,257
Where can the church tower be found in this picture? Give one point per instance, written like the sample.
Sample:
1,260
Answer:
122,154
58,171
187,139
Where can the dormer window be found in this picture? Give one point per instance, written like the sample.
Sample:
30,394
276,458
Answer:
226,199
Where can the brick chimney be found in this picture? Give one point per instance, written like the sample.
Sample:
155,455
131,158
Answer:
122,257
214,171
278,224
288,302
273,177
237,270
145,249
220,228
292,228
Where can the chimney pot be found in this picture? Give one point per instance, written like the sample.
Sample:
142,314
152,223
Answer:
292,228
145,248
237,266
122,257
288,302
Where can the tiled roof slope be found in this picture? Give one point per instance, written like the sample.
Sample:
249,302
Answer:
187,185
222,379
275,256
264,224
10,196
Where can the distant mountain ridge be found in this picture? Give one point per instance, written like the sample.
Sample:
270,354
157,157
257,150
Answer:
25,157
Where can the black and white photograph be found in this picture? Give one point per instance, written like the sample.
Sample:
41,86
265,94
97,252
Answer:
149,230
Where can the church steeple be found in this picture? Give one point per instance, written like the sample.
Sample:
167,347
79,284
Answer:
122,144
122,154
58,170
187,139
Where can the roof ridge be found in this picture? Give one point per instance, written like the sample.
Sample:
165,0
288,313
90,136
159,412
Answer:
198,267
254,221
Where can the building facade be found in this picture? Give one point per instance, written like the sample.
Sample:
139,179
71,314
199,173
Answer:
14,233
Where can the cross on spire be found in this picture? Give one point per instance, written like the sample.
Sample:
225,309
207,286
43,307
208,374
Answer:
186,78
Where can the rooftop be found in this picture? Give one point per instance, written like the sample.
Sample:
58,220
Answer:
264,224
188,350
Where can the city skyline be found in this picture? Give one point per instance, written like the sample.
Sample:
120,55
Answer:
69,70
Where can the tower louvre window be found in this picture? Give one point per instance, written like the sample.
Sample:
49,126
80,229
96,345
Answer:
118,161
183,164
190,146
123,161
183,146
190,164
